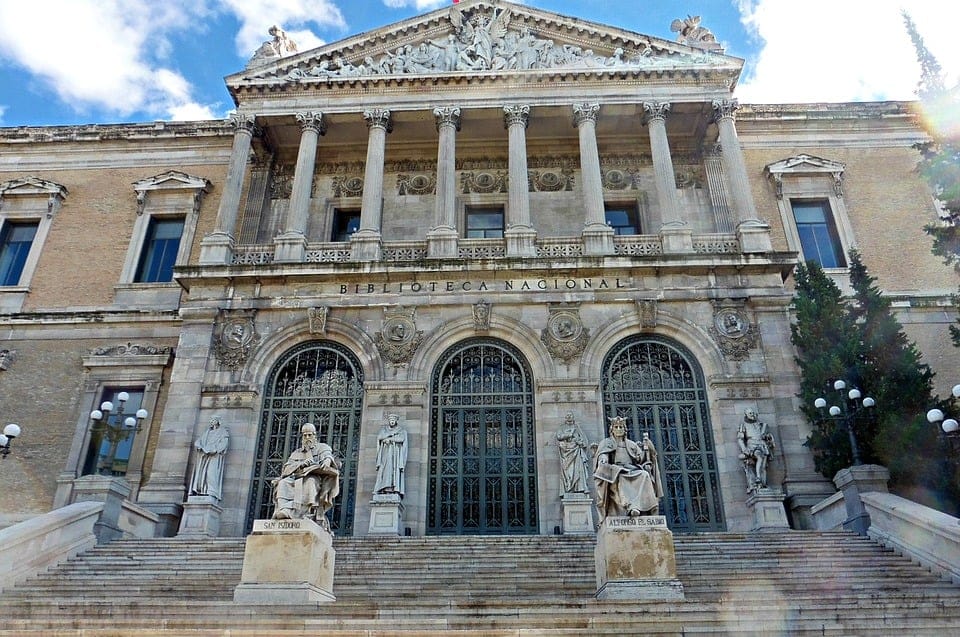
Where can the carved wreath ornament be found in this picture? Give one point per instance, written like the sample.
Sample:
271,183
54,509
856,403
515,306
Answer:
565,337
735,335
235,338
399,338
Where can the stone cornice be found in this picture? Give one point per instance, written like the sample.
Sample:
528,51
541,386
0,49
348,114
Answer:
113,132
827,111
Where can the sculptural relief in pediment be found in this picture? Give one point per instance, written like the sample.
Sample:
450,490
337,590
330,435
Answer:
487,39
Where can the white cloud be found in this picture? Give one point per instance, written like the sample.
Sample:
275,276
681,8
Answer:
3,109
102,53
843,50
420,5
257,16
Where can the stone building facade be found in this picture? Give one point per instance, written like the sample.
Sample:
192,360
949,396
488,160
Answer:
481,219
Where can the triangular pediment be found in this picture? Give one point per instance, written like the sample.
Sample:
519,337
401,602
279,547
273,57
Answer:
32,186
171,180
805,164
481,39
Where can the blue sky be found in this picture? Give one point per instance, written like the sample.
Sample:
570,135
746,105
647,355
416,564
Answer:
108,61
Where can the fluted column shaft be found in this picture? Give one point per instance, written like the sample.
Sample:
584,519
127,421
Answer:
734,166
239,157
664,177
448,123
585,119
379,124
311,127
516,119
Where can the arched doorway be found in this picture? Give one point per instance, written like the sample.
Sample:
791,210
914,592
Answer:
319,382
658,387
483,465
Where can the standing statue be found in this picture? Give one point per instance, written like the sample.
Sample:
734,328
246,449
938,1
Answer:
626,474
309,481
211,447
573,457
756,446
391,457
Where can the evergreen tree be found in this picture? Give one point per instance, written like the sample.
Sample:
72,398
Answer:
827,343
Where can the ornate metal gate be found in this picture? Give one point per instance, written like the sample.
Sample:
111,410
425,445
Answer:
319,382
658,387
483,466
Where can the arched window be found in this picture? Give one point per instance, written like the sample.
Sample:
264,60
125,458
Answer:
319,382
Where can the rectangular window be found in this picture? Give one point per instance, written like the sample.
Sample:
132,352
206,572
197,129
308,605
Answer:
111,439
15,242
345,223
484,222
819,240
160,249
623,218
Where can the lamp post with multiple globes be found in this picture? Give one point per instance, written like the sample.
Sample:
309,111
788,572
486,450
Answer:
850,407
115,430
948,426
10,432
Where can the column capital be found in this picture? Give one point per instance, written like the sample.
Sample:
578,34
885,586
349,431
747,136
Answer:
515,115
656,110
585,112
378,118
244,122
310,120
447,116
725,109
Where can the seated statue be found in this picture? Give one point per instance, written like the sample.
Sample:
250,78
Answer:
626,475
309,481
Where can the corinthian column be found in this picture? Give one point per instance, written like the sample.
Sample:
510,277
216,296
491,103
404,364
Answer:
217,247
674,233
754,234
597,235
291,246
365,242
442,238
520,235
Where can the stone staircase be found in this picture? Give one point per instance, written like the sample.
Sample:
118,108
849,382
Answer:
794,583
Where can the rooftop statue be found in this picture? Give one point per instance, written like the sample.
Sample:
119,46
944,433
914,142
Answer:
692,34
280,45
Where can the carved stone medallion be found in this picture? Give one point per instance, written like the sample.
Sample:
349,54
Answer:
732,330
484,181
235,338
422,184
347,186
399,338
565,337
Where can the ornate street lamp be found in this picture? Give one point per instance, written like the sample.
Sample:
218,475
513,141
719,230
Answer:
949,426
850,408
115,431
10,432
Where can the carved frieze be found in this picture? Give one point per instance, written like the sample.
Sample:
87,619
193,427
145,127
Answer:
619,178
647,312
565,337
732,330
399,338
131,349
551,180
348,186
483,181
235,336
420,184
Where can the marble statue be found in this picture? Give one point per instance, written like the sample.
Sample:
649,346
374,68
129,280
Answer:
391,457
756,445
690,32
211,448
573,457
309,481
279,45
626,474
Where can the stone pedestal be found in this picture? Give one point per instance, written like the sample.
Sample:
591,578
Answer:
577,511
598,240
442,243
112,491
216,249
287,562
290,247
635,559
768,511
365,245
521,241
386,514
754,237
852,481
676,239
201,517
